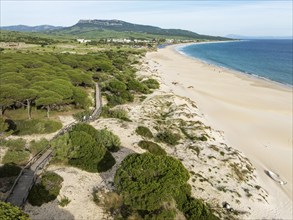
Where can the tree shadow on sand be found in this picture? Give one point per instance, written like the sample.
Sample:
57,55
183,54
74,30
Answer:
108,176
50,210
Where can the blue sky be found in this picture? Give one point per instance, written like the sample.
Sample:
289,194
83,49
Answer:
270,18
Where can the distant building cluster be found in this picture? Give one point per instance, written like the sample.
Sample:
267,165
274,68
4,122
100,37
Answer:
83,40
127,41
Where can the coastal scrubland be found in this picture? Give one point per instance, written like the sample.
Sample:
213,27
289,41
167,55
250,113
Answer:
151,154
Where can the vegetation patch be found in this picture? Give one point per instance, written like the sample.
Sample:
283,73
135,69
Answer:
64,201
152,147
87,148
108,140
114,113
16,154
19,157
36,126
37,146
144,132
47,190
151,83
10,212
168,137
155,187
15,144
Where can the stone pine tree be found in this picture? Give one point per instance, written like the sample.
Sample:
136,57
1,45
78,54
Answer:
27,96
48,99
8,96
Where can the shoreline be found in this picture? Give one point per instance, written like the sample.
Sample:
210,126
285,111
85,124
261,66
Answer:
177,47
255,115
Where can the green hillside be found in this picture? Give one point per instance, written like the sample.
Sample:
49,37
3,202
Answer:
97,29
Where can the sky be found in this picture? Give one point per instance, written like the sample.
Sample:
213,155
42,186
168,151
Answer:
219,18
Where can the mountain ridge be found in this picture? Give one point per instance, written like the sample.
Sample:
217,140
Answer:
27,28
113,28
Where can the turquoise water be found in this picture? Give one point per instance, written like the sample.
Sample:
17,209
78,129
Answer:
269,59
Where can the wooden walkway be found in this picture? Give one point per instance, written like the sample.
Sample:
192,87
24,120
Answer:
26,179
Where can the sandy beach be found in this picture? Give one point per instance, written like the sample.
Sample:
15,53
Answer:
254,114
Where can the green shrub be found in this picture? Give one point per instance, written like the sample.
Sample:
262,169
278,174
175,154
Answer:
146,181
47,190
62,146
10,212
106,163
112,201
36,126
116,86
152,83
86,128
155,187
16,157
64,201
85,153
108,140
87,148
38,146
197,209
15,145
152,147
114,100
102,137
137,86
144,131
114,113
168,137
123,98
9,169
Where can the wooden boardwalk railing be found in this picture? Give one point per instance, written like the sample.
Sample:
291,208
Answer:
19,191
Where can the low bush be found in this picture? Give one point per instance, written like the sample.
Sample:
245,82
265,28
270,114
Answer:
122,98
155,187
36,126
85,152
87,148
168,137
9,169
47,190
112,201
16,157
108,140
114,113
144,131
147,182
102,137
10,212
137,86
197,209
116,86
152,147
64,201
17,144
37,146
152,83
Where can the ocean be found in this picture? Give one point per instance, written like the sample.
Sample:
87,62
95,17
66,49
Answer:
269,59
